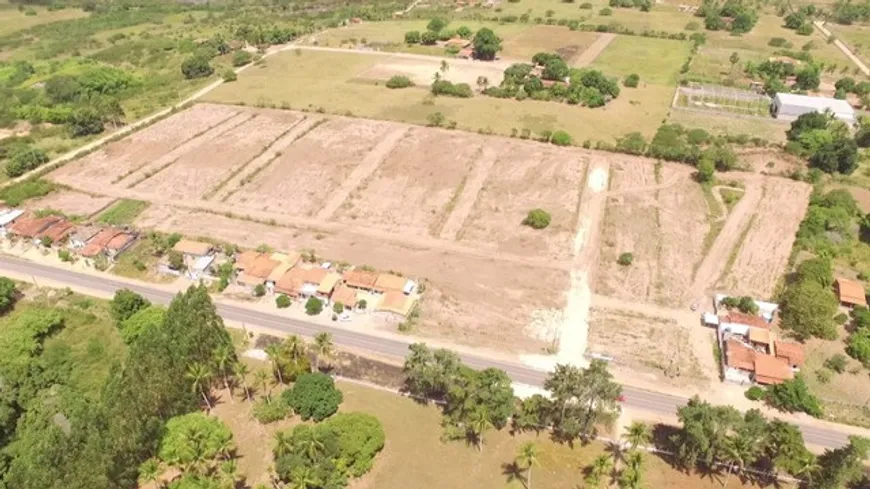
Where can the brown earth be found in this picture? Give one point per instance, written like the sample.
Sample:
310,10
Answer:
71,203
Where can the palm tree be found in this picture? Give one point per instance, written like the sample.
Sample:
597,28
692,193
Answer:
225,359
283,443
303,478
636,434
598,470
313,447
635,460
808,467
229,475
444,66
617,452
149,471
630,478
322,348
477,425
241,370
527,457
295,348
738,453
200,376
261,379
274,352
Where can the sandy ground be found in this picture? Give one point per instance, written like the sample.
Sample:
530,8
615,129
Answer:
421,72
71,203
770,162
760,261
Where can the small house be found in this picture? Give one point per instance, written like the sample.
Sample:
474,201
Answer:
789,106
387,282
792,353
344,295
119,244
739,362
850,293
255,268
193,249
57,232
79,238
772,370
396,302
110,242
301,281
29,227
360,279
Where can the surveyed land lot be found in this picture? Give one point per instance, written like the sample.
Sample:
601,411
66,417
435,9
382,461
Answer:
446,207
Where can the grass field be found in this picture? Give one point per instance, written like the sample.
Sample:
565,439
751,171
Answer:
857,37
540,8
624,56
721,124
122,213
12,19
320,80
556,39
661,18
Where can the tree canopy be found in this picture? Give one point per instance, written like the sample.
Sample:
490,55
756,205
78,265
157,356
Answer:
313,396
486,44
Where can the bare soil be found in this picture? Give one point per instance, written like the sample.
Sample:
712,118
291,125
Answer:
71,203
421,71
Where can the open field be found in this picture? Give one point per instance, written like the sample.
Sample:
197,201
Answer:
328,81
122,213
855,36
421,72
622,57
661,18
713,123
556,39
11,19
71,203
762,256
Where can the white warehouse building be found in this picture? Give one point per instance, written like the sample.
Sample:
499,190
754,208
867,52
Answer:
788,106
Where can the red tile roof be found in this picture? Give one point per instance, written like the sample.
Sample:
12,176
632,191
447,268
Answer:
747,319
851,292
792,352
360,279
771,370
738,355
96,245
58,231
29,227
120,241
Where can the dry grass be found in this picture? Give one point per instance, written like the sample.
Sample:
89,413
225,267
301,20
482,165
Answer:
767,129
625,54
11,19
570,44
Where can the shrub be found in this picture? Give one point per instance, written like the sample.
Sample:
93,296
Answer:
824,375
313,396
259,290
841,318
605,12
805,30
399,81
412,37
631,80
268,411
283,302
444,87
24,159
196,67
537,219
229,75
779,42
360,438
428,38
313,306
561,138
125,303
692,26
65,256
241,58
858,346
338,308
586,6
794,396
755,393
837,363
435,119
361,305
625,259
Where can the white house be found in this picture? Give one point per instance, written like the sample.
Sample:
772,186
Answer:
7,217
789,106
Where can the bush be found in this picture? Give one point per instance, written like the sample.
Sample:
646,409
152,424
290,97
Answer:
65,256
537,219
625,259
241,58
313,396
313,306
837,363
631,80
196,67
755,393
561,138
858,346
779,42
692,26
805,30
412,37
586,6
360,438
283,302
824,375
338,308
8,293
268,411
841,318
25,159
605,12
399,81
794,396
125,303
229,75
428,38
259,290
444,87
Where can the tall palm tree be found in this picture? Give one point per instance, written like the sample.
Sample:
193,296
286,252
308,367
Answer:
303,478
283,443
274,352
225,359
617,453
149,471
809,466
241,370
313,446
323,348
527,456
295,348
636,434
630,478
598,470
738,453
261,380
477,426
200,377
229,475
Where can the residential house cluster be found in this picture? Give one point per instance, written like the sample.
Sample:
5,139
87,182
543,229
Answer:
290,275
56,231
751,351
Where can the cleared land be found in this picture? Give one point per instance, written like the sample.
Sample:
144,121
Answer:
714,123
331,81
624,54
71,203
11,19
556,39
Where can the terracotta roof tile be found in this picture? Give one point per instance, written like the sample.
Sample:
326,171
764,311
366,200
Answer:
792,352
360,279
388,281
29,227
747,319
771,370
738,355
190,247
58,231
851,292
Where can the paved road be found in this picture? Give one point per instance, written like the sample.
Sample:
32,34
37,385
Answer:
655,402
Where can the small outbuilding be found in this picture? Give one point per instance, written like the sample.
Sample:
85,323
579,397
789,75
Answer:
850,293
789,106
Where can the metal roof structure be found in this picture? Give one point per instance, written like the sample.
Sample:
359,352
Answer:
790,106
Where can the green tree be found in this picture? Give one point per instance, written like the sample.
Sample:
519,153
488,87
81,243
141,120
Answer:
632,476
196,66
23,159
436,25
527,456
430,373
537,219
8,293
242,370
143,321
598,470
636,434
702,437
477,401
313,306
808,309
195,443
794,396
149,471
313,396
706,170
486,44
85,121
241,58
276,357
583,397
200,379
843,466
225,360
555,69
323,348
816,269
412,37
125,304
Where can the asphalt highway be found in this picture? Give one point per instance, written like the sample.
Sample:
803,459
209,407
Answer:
655,402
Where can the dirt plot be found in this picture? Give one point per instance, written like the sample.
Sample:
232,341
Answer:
421,71
527,176
567,43
467,299
299,181
658,346
71,203
195,173
413,187
661,222
761,258
109,163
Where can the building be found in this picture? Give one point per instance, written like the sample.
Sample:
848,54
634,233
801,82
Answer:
738,362
396,302
850,292
193,249
82,234
29,227
769,369
7,218
792,353
119,244
788,107
255,268
344,295
57,232
110,242
360,279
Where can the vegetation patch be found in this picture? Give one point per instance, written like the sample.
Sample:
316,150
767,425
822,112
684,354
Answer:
123,213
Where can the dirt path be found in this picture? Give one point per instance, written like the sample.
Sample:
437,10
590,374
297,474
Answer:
363,171
228,187
848,52
588,56
469,194
717,257
717,194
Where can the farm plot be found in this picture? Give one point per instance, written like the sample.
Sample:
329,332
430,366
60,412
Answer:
128,155
70,203
621,58
661,225
468,299
528,176
567,43
420,71
417,184
313,167
198,171
643,343
756,266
